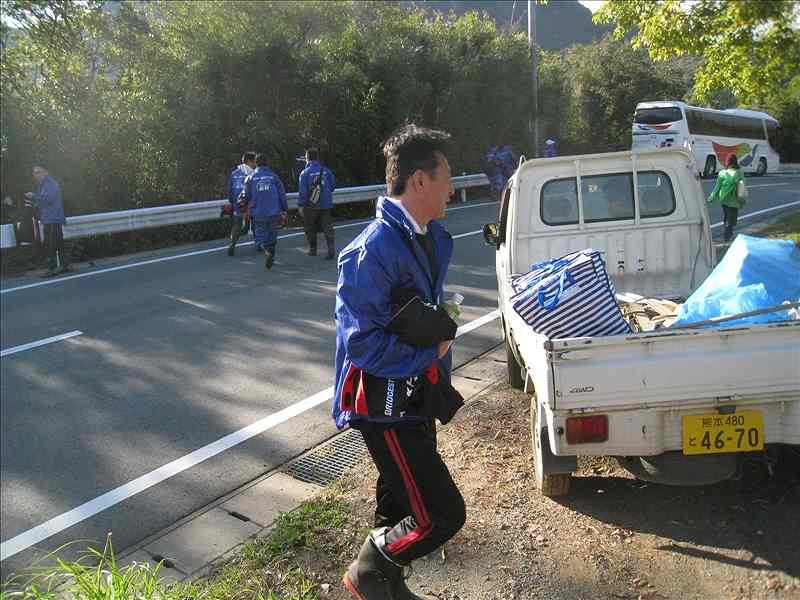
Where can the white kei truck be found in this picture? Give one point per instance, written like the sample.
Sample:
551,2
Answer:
680,406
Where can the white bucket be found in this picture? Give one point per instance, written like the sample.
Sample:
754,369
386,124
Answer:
7,237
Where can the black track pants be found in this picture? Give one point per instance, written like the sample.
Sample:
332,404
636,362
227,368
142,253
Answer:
318,220
731,217
54,245
416,495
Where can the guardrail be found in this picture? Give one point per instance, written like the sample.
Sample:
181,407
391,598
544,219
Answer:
193,212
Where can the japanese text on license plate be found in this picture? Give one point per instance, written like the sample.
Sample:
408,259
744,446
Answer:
718,433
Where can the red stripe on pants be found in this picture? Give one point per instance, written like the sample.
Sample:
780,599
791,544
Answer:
424,525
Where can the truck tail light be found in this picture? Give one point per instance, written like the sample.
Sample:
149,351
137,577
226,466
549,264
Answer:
587,430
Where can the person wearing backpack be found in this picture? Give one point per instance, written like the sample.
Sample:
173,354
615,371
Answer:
315,199
235,208
731,193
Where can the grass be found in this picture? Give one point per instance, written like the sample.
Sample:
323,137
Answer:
787,228
96,575
268,568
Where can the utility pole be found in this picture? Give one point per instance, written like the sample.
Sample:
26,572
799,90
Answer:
534,125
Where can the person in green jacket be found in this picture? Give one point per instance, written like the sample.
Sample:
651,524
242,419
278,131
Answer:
726,192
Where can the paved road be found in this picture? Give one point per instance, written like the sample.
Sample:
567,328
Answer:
175,355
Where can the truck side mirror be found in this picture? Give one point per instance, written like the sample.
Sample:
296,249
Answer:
491,234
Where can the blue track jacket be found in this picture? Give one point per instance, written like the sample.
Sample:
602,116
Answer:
47,198
385,256
307,180
265,194
236,185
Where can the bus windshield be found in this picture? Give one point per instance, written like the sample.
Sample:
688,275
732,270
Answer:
657,116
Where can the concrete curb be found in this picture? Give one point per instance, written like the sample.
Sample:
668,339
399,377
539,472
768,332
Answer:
194,546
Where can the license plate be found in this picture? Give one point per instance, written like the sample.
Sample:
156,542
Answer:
717,433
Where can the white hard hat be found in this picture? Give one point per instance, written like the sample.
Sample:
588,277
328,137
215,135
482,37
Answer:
549,141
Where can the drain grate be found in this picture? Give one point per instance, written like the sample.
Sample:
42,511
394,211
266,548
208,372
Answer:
328,462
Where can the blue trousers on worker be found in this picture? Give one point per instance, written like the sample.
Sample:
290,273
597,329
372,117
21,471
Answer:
266,232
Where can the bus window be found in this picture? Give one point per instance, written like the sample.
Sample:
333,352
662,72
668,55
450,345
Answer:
773,134
656,116
559,202
716,124
656,197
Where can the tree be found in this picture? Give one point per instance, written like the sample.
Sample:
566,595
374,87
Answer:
589,93
751,47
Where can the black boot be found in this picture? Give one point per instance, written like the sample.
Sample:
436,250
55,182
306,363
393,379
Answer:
312,251
269,257
331,254
375,576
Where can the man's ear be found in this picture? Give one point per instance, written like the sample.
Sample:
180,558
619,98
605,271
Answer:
417,180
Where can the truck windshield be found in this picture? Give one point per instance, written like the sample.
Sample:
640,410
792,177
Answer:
657,116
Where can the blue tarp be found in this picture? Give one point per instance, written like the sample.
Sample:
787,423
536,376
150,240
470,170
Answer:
755,273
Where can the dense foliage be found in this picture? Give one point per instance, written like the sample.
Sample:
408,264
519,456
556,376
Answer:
135,104
750,51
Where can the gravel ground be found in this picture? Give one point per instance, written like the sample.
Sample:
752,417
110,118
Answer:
612,537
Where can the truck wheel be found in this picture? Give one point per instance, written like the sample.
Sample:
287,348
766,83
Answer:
761,170
515,378
711,167
548,483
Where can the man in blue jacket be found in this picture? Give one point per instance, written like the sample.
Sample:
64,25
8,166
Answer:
235,189
404,252
266,201
315,199
46,198
508,162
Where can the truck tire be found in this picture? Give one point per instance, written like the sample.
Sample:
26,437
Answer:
515,378
548,483
761,170
710,169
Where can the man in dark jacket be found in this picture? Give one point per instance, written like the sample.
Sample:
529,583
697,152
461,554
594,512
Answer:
46,198
236,199
315,199
266,201
403,253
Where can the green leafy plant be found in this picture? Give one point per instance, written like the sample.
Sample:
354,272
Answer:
94,576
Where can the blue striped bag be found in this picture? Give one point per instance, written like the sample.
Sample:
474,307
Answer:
547,267
571,296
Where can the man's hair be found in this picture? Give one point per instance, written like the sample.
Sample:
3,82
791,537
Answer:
312,153
261,159
248,156
732,161
409,149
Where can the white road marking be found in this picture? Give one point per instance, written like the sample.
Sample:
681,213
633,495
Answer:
37,534
479,322
186,255
461,235
36,344
760,212
759,185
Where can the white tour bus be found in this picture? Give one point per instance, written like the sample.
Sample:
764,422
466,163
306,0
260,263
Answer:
711,135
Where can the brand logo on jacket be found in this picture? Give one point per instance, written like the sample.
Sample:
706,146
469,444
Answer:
389,405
